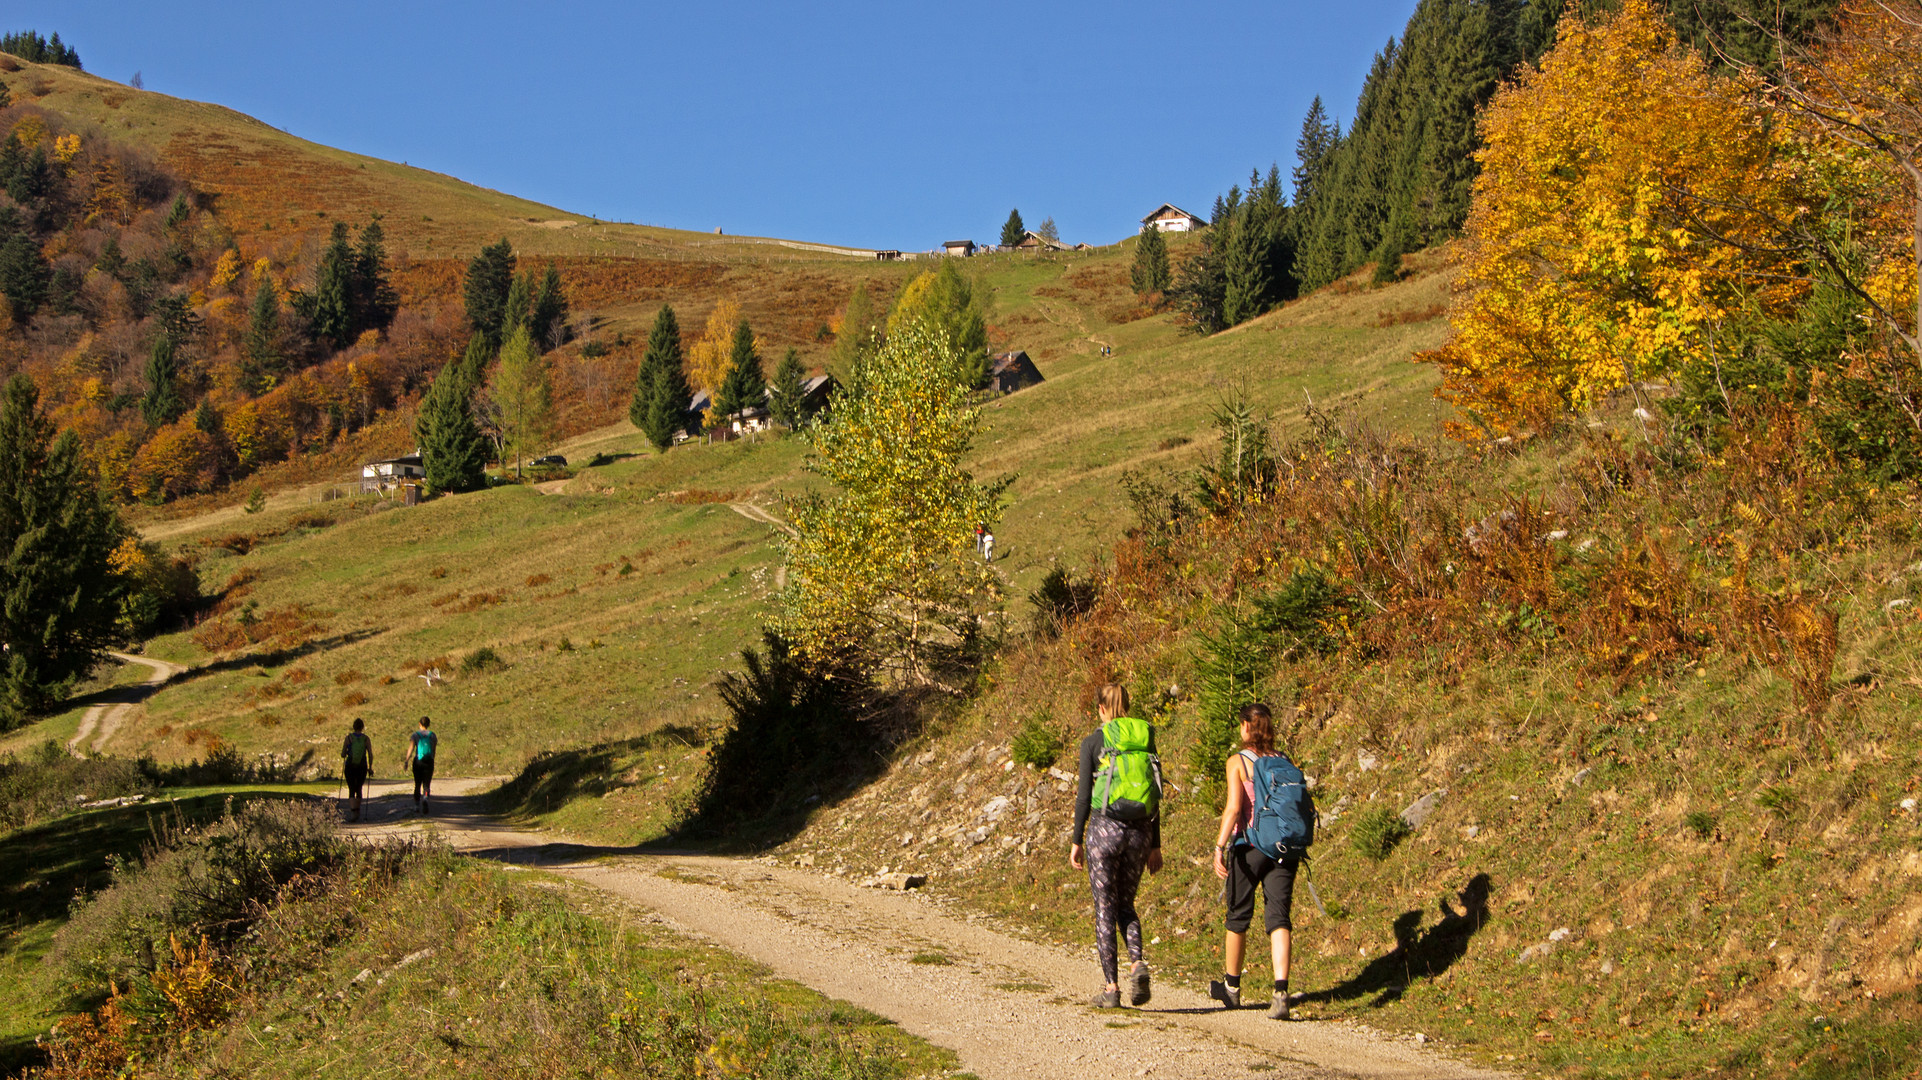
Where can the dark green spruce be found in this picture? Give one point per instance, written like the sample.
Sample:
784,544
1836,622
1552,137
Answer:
59,598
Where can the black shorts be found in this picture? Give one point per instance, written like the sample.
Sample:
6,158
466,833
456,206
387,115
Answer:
355,779
1248,867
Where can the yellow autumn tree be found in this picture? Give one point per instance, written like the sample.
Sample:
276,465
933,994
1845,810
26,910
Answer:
1852,99
1624,191
883,578
707,357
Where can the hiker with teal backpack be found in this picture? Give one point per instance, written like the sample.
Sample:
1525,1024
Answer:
356,761
420,754
1266,826
1117,811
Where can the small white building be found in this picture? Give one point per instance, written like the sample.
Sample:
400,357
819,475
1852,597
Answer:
959,248
1171,218
385,475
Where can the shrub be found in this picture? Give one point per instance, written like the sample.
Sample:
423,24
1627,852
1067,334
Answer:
48,781
1060,600
1036,744
1377,831
481,660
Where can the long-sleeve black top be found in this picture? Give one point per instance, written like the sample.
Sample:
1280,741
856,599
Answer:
1084,795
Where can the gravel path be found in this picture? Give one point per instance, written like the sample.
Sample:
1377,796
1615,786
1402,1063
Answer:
1009,1007
101,722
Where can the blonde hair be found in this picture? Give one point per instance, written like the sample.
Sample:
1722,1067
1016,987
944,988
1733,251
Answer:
1112,701
1261,728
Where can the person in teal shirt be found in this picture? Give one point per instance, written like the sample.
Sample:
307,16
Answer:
420,751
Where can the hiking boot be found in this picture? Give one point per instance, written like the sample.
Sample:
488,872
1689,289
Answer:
1279,1010
425,809
1229,996
1138,989
1107,999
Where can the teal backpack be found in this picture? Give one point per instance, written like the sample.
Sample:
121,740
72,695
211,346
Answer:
1127,779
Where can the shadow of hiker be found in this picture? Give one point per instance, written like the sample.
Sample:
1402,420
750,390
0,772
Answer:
1417,953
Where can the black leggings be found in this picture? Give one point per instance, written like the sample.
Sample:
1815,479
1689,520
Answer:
1247,866
1117,854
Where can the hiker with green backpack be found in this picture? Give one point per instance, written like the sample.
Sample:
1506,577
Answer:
356,761
1266,826
1117,811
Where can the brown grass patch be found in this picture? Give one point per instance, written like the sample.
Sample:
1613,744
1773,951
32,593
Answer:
267,720
353,698
416,667
8,63
1411,315
437,573
701,496
444,599
478,601
311,521
300,676
538,579
348,677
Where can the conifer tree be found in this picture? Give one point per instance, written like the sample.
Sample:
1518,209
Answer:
785,402
945,301
330,311
59,595
261,361
162,403
523,392
663,375
23,273
489,276
453,450
861,334
518,311
6,97
1150,272
374,300
1013,231
745,385
666,408
549,320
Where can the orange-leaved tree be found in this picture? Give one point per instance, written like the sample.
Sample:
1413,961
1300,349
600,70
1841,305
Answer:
1626,203
707,358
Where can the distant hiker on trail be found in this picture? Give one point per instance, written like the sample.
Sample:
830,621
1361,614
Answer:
987,547
1266,827
1118,806
420,753
356,760
979,532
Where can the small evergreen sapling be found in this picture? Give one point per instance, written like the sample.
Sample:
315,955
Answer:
785,403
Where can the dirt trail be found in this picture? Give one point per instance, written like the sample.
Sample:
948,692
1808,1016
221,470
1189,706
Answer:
1009,1007
103,721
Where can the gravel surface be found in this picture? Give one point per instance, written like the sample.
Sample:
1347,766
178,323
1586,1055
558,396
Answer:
1008,1007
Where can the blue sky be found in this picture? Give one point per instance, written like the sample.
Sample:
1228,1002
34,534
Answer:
880,125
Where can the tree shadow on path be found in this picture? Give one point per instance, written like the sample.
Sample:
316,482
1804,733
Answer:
1417,953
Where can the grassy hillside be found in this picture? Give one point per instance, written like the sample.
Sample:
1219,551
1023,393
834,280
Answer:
612,606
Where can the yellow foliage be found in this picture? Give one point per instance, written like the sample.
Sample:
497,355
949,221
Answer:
707,358
263,270
128,560
66,148
226,271
30,130
1586,261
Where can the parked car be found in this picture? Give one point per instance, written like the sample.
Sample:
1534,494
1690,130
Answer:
551,459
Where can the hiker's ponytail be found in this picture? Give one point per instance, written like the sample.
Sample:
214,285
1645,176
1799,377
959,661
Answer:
1261,728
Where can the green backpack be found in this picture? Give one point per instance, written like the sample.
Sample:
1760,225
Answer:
358,746
1127,779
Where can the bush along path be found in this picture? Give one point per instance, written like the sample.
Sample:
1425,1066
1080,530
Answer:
1006,1006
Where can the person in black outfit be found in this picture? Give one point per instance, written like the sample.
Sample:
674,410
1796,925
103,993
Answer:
1242,866
1115,854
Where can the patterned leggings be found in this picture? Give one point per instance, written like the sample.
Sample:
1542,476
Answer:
1117,853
